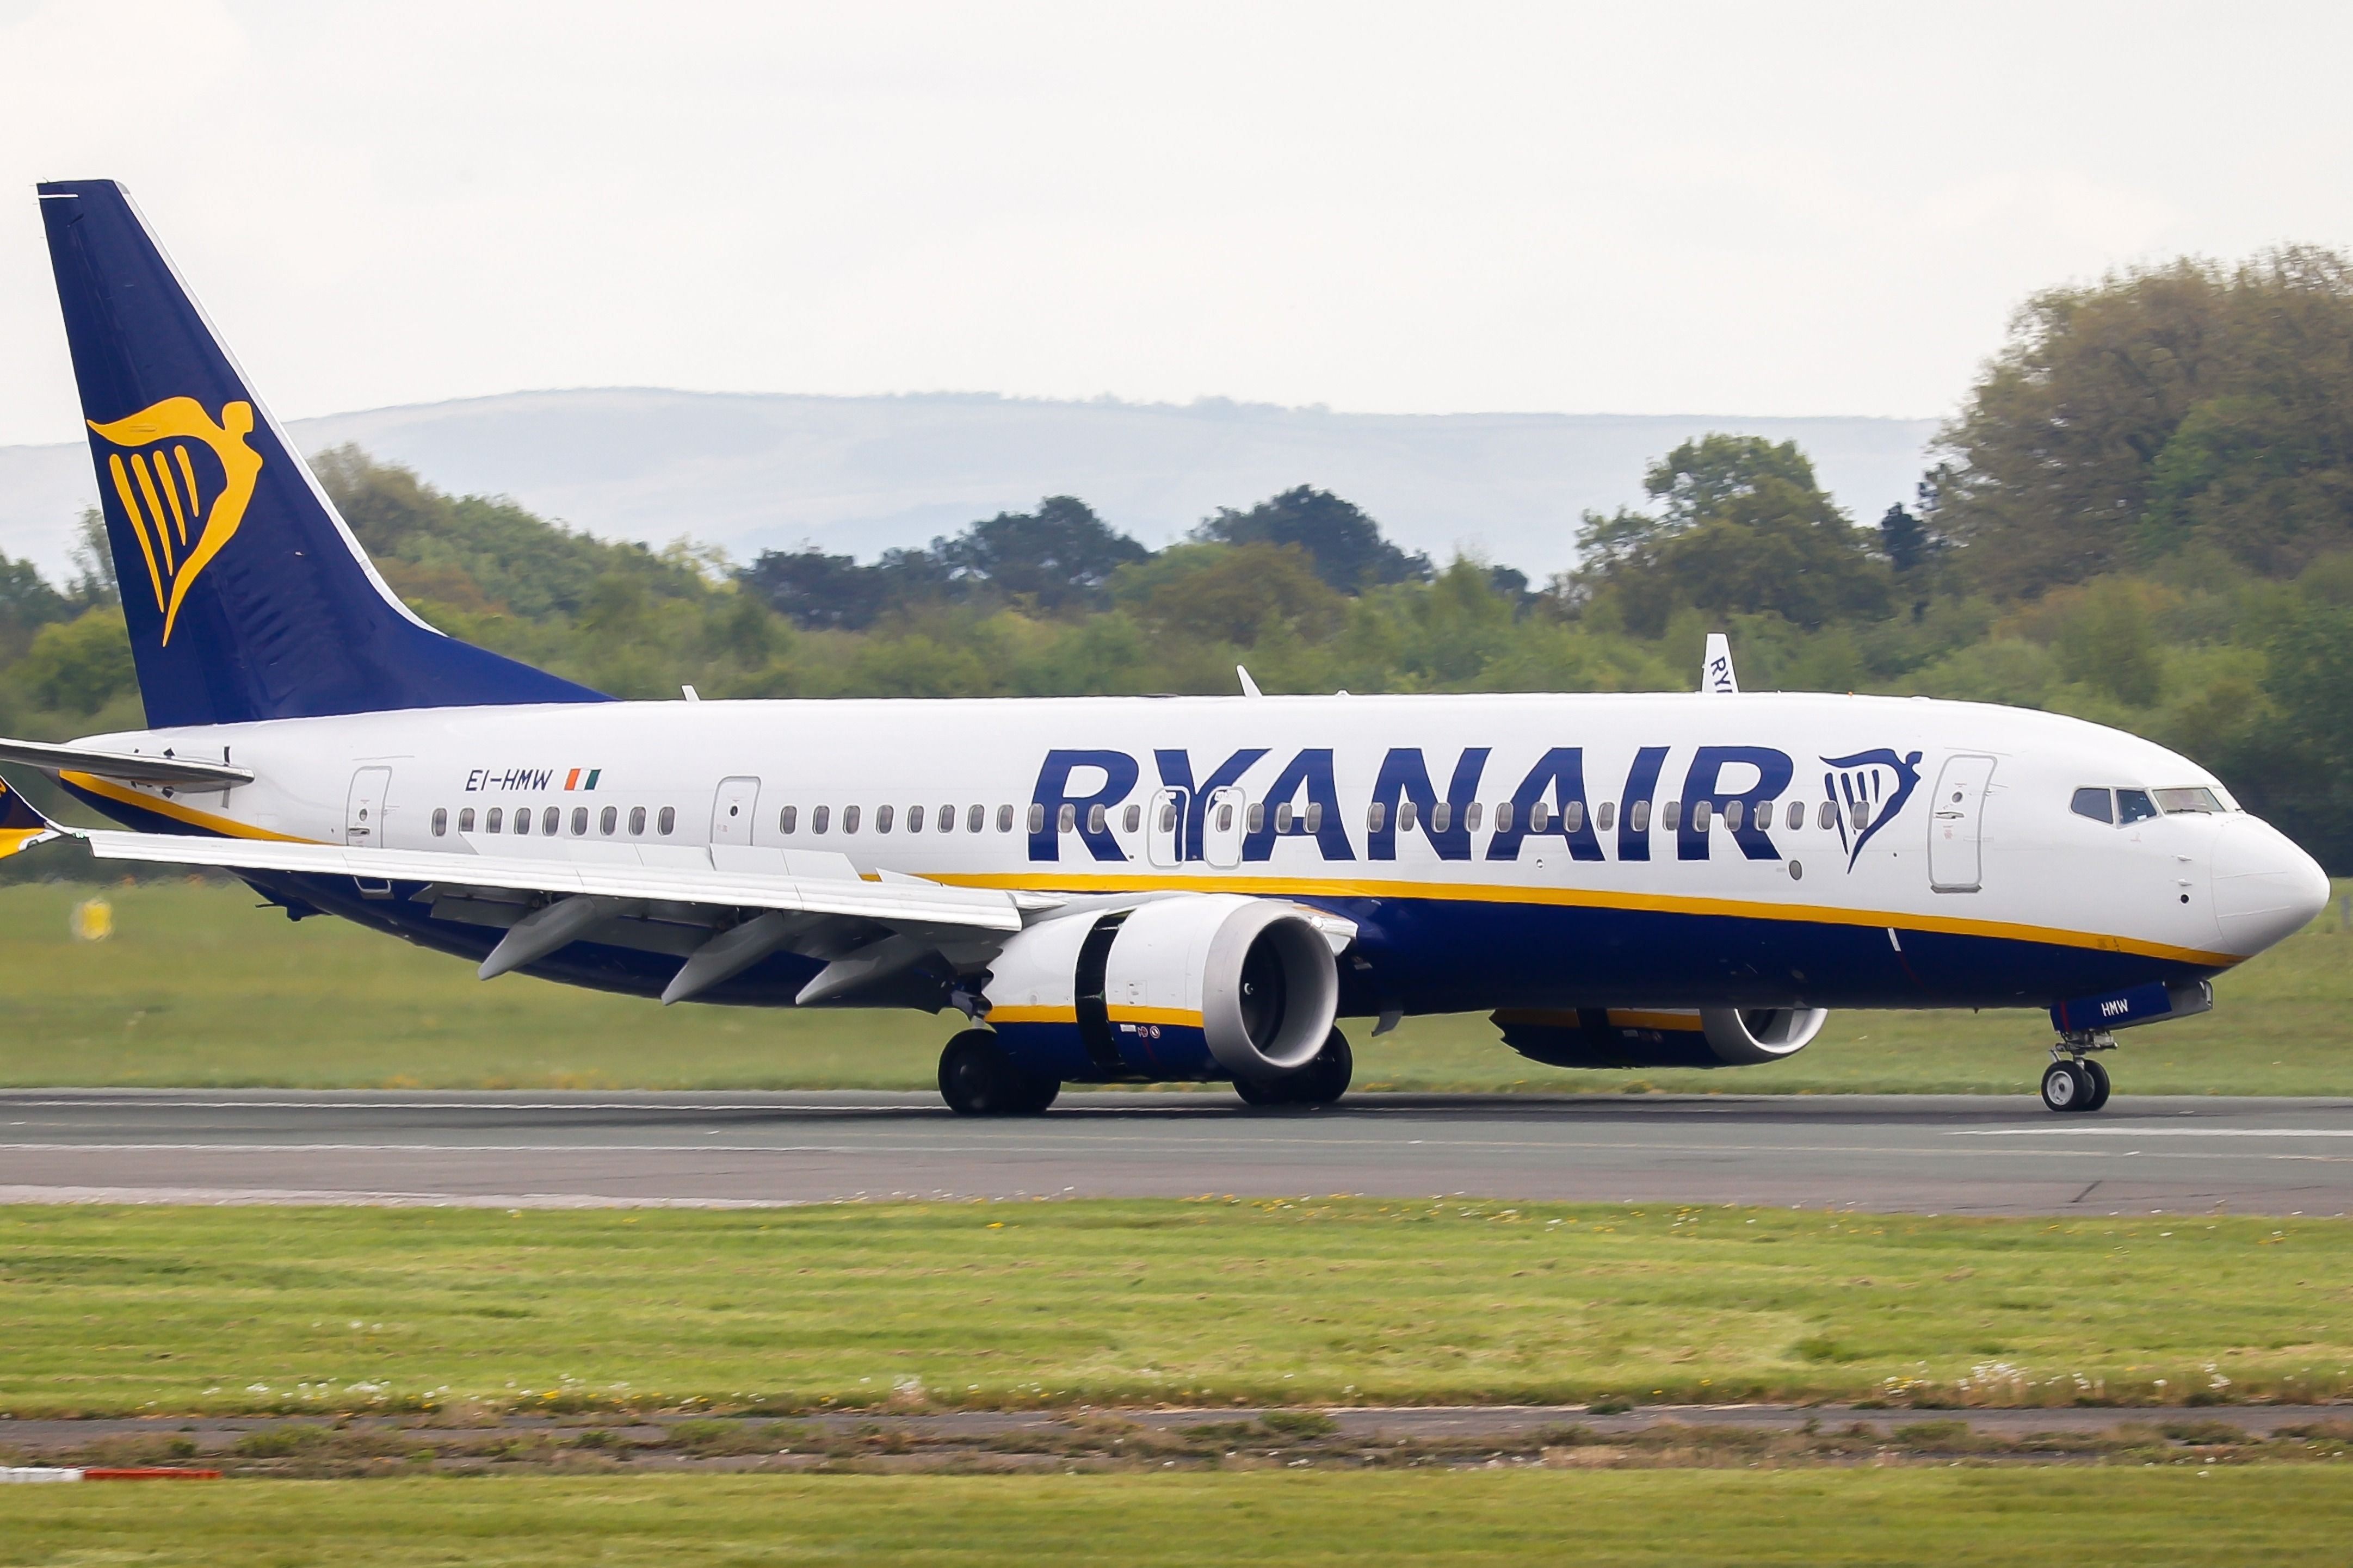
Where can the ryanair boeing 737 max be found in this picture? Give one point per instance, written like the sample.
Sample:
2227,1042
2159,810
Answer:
1106,889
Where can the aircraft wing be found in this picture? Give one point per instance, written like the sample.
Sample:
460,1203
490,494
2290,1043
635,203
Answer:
894,901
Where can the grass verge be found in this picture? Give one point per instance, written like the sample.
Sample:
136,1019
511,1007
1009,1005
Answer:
2014,1517
137,1311
198,987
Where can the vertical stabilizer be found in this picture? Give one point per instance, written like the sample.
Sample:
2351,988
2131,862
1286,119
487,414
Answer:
246,595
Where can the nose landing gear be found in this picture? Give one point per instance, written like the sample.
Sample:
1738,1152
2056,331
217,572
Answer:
2074,1082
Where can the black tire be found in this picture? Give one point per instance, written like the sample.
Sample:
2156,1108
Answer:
2099,1077
1263,1090
1035,1095
976,1077
1326,1076
2066,1087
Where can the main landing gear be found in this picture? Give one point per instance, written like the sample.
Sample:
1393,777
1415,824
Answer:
2075,1081
977,1079
1323,1079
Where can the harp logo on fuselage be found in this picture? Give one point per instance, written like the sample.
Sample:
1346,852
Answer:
184,480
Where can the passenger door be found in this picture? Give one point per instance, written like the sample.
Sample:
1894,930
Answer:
732,811
1957,826
364,811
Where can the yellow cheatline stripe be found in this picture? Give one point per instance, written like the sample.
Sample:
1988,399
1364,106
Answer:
171,494
139,471
225,828
14,838
1033,1015
1577,897
1178,1017
131,507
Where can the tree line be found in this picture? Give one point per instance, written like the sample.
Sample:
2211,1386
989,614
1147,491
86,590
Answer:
2142,514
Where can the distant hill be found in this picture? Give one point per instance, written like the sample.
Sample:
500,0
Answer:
859,474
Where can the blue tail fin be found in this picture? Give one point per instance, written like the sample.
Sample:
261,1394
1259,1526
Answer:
246,595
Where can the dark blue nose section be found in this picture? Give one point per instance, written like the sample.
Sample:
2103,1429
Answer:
246,594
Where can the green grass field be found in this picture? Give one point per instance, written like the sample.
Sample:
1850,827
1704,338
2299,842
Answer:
162,1310
197,986
2016,1519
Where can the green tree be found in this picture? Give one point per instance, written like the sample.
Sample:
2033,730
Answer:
79,666
1229,594
1345,545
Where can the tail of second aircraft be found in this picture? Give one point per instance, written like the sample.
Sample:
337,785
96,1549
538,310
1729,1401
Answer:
246,594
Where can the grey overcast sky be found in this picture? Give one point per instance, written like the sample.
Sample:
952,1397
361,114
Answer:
1763,209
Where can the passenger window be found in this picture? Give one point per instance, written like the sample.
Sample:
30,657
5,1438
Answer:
579,822
466,820
1860,812
914,819
1168,816
553,819
1572,816
1441,816
1095,818
1406,814
1638,816
1703,815
523,821
666,820
1037,816
947,819
2134,805
976,819
882,819
1316,817
1603,818
608,821
1135,817
637,822
1539,817
1225,818
497,819
1470,816
1282,817
440,822
2094,803
1067,819
1736,813
1671,815
1257,817
850,819
1503,817
1827,816
820,818
789,819
1375,815
1796,818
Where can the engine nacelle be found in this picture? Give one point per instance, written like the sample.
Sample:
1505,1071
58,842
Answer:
1197,986
1702,1038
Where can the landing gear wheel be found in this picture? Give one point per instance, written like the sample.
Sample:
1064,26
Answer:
977,1079
2066,1086
1323,1079
2099,1077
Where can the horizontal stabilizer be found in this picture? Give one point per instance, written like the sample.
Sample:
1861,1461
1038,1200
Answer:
21,826
129,766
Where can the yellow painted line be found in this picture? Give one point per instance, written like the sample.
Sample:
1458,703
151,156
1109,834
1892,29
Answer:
225,826
1180,1017
1033,1015
1577,897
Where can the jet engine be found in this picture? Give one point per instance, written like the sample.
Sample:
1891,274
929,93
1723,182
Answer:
1625,1038
1200,985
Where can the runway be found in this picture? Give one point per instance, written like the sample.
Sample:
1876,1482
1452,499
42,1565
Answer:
1938,1154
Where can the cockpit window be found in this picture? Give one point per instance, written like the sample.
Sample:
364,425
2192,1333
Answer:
2134,805
2203,801
2094,803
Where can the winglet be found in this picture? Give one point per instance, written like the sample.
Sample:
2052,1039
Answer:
21,826
1249,686
1716,671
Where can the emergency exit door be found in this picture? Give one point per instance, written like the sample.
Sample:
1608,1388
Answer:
732,809
1957,826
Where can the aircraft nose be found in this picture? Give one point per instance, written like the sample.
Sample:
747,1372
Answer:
2265,887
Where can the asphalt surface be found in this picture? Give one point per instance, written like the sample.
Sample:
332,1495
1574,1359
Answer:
1937,1155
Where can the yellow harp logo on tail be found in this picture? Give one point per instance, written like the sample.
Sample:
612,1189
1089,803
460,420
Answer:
182,510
